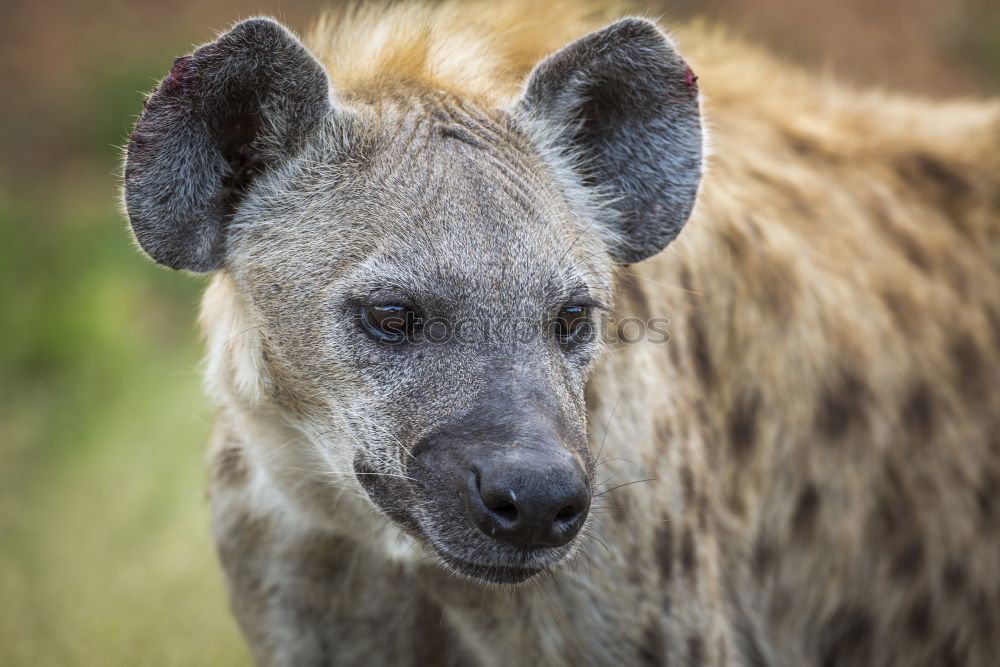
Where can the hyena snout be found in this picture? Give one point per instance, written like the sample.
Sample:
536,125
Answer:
531,497
511,477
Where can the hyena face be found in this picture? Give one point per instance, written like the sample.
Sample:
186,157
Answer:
423,273
426,300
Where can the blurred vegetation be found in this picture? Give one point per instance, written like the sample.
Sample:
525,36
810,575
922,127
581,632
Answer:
105,555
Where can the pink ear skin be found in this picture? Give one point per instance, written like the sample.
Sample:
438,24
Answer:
689,77
177,73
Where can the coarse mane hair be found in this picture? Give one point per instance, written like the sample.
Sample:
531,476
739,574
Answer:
477,50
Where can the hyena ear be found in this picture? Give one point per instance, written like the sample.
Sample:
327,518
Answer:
623,106
232,109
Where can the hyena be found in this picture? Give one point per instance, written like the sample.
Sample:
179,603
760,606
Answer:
805,473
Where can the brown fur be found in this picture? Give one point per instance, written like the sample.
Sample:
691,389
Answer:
819,436
477,51
830,305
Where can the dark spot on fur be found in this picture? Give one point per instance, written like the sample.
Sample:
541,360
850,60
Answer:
894,508
689,555
696,651
773,284
930,176
651,651
633,575
909,561
801,145
687,485
954,577
918,411
665,549
231,467
743,423
763,558
675,353
664,433
986,496
242,538
918,619
323,558
706,424
846,638
799,201
969,365
901,307
735,502
889,518
912,249
957,276
734,241
703,513
934,170
700,351
842,404
806,508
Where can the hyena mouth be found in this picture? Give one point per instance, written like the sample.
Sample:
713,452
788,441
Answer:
483,558
493,574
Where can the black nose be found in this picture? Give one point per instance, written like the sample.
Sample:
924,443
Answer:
530,497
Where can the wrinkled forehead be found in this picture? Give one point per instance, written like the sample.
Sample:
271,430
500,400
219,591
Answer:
440,196
469,178
464,199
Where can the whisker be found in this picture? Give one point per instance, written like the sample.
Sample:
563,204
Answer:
604,439
614,488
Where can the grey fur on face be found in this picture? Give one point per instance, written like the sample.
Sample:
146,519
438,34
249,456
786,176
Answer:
463,213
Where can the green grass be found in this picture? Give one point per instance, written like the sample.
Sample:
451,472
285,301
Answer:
105,555
105,552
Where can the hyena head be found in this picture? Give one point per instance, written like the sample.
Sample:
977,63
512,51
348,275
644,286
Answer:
421,272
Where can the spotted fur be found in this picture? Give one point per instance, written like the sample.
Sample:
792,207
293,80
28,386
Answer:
805,474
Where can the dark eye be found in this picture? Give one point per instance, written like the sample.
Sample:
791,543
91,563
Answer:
573,324
391,324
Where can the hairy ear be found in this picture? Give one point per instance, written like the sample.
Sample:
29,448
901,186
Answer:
236,106
624,107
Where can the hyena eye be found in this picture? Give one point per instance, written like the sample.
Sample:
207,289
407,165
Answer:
573,325
391,324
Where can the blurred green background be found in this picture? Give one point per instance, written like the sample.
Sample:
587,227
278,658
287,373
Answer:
105,555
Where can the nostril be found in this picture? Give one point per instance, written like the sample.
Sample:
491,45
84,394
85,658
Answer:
506,511
567,514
